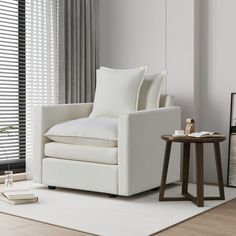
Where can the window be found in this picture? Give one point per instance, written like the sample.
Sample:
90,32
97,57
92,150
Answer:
12,84
41,63
28,74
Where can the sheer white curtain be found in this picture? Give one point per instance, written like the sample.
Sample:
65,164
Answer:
41,63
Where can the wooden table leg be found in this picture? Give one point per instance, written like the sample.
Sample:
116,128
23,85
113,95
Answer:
219,170
185,170
165,170
199,166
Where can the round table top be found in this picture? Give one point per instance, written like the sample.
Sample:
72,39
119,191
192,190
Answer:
187,139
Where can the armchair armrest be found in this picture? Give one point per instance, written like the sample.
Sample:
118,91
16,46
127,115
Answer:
141,150
45,118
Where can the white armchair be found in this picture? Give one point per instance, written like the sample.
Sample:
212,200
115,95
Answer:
140,151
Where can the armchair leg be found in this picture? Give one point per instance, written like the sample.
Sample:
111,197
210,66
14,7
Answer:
51,187
112,196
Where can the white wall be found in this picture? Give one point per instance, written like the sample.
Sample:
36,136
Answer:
132,33
181,60
180,54
218,77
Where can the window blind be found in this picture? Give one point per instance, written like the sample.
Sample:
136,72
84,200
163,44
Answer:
41,63
28,70
12,81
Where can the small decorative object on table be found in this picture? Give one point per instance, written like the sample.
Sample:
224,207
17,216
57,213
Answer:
190,126
179,133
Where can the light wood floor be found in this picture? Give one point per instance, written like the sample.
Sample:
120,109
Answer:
220,221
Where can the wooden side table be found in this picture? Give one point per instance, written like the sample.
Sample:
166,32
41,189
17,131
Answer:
199,142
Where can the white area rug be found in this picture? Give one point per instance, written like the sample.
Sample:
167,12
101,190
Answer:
98,214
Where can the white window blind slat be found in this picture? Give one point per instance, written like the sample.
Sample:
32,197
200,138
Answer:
41,61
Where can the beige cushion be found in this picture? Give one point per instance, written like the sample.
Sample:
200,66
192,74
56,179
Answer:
98,131
117,91
81,153
150,92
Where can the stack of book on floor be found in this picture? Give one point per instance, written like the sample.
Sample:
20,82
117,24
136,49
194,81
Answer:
20,196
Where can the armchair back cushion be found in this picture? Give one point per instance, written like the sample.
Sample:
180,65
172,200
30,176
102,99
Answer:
150,92
98,131
117,91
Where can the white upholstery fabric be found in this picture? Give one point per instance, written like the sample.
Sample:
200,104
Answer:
166,100
46,117
83,141
117,91
141,150
150,92
80,175
81,153
98,131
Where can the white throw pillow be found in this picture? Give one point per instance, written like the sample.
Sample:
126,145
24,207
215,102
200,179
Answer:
150,92
100,131
117,91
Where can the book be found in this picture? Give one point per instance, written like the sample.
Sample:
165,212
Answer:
205,134
17,201
18,194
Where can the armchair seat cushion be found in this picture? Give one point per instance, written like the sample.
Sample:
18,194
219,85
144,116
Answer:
98,131
93,154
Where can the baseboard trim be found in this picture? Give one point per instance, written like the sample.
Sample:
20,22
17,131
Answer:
16,177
